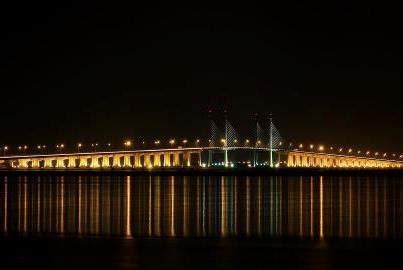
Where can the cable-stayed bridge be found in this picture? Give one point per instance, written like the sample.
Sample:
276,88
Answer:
224,148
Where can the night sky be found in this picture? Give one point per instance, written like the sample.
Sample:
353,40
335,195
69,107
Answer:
95,72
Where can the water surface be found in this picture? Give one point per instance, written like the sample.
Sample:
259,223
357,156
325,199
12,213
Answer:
126,221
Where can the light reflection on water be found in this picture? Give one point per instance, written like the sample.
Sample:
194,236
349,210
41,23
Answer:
202,206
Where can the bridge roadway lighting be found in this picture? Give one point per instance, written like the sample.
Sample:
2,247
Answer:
128,143
247,141
350,150
321,148
5,148
376,153
185,141
79,145
311,146
301,146
341,150
368,152
171,142
157,142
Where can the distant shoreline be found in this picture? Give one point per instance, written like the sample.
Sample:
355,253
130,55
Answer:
206,171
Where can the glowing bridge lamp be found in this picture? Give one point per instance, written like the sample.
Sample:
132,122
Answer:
301,146
128,143
350,150
341,150
171,141
321,148
185,141
311,146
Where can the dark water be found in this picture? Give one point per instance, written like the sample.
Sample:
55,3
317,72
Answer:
201,222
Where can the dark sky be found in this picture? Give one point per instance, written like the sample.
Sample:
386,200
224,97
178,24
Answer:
105,72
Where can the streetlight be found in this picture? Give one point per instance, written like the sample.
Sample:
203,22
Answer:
128,143
301,146
172,142
185,141
5,148
321,148
311,146
79,145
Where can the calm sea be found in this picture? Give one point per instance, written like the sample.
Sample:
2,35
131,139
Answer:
201,222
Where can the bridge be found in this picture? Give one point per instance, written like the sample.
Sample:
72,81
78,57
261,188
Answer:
190,158
223,149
